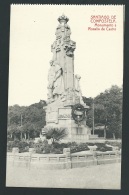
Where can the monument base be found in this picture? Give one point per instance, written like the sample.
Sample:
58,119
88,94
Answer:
75,133
59,116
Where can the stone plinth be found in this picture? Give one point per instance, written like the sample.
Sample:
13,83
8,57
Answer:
15,150
62,117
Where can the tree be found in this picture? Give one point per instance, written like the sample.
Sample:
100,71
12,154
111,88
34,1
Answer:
26,122
55,134
89,102
14,131
108,111
115,126
112,101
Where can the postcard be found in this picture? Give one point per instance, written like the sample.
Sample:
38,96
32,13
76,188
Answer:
65,96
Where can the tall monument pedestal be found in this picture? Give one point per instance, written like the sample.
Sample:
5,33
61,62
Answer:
64,90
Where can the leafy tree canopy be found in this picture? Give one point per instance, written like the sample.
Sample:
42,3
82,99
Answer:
107,110
26,119
30,120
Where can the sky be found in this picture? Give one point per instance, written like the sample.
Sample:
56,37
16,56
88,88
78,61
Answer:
98,57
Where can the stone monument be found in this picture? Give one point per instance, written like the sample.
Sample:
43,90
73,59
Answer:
63,86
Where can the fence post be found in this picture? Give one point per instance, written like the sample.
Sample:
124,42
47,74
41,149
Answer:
117,155
67,153
48,159
15,150
95,157
31,150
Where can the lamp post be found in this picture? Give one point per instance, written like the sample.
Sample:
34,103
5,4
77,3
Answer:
21,126
114,119
105,102
9,126
21,120
105,128
93,118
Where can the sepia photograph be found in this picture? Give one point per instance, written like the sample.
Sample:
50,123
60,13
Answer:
65,96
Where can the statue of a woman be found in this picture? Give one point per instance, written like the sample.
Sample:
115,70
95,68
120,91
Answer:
58,87
51,77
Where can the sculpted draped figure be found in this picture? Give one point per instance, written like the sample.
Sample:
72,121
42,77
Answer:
51,76
55,82
78,91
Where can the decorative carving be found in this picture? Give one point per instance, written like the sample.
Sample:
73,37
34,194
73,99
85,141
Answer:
78,113
58,46
77,99
69,47
64,113
70,94
62,31
66,39
63,19
53,46
64,116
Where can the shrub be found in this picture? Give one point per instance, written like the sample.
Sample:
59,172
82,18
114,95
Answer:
42,147
79,147
47,149
12,144
39,147
26,149
22,145
91,144
57,145
31,144
102,147
56,150
118,144
55,134
9,146
69,144
64,145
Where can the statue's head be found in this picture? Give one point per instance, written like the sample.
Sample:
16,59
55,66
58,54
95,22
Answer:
51,62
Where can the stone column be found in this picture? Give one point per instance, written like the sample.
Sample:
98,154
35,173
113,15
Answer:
63,52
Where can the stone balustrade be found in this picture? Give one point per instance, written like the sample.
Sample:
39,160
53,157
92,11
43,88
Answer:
62,161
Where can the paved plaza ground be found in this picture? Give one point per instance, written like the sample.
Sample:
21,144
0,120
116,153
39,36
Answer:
93,177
